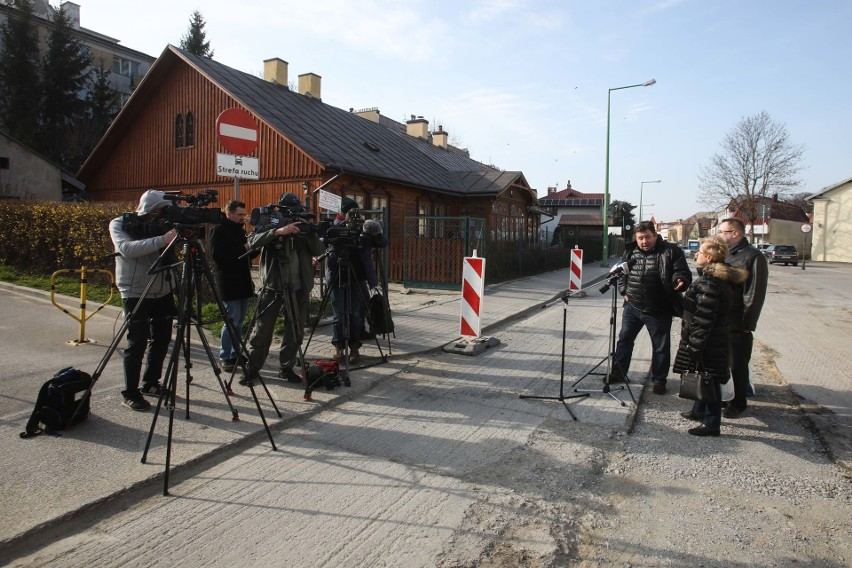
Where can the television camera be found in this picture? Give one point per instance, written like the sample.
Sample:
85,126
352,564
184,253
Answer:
188,218
274,216
353,231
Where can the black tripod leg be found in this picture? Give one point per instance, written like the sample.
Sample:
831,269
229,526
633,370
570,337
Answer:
99,369
325,298
562,397
610,360
168,393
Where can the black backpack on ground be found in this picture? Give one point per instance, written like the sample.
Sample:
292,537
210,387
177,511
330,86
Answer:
57,402
379,315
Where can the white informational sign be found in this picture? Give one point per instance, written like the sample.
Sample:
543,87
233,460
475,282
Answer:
242,167
329,201
806,228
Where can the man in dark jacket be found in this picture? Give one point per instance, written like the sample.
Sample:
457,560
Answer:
350,305
287,277
651,288
228,242
745,309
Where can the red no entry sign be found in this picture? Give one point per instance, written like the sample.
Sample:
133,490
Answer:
237,131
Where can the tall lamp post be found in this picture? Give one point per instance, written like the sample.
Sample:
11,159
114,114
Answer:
641,188
605,261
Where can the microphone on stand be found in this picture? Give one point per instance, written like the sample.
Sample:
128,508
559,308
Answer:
616,271
622,267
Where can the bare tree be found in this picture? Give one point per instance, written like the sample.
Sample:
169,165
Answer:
757,160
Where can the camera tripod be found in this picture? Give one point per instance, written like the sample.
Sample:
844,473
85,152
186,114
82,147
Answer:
276,298
610,360
344,280
562,397
193,268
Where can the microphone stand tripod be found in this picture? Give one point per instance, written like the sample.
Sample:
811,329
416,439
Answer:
562,397
610,359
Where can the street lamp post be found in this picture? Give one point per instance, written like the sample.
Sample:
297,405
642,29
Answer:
605,261
641,188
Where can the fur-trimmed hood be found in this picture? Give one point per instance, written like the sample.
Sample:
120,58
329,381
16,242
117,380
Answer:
726,272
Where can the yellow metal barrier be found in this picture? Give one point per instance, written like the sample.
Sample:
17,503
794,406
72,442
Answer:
82,318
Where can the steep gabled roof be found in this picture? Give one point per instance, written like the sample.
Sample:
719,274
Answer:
338,139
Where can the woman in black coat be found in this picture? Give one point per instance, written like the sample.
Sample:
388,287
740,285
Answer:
705,330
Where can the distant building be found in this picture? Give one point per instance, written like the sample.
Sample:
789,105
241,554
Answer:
778,222
127,66
832,223
577,220
26,175
695,226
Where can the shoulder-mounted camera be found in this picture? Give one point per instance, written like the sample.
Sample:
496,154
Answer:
195,212
274,216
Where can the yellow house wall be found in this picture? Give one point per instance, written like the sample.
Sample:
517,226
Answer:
832,241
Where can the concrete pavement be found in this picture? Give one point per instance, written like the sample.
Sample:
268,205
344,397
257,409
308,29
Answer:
432,416
100,458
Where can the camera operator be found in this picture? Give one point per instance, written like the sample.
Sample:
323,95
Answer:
286,272
228,242
363,278
151,325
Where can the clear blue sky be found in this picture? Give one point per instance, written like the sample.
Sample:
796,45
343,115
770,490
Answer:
523,84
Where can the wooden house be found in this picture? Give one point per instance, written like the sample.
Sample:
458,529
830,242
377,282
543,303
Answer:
165,138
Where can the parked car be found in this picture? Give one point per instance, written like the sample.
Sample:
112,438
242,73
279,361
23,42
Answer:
762,247
687,253
782,253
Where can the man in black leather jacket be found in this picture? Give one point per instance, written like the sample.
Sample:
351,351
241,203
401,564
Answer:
745,308
652,289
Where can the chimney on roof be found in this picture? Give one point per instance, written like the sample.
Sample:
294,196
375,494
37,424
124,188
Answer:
551,190
439,138
568,187
417,127
72,12
275,71
310,85
371,114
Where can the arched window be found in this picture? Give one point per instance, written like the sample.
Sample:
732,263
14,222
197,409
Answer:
190,129
179,140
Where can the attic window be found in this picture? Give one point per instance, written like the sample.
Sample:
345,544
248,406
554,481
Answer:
189,129
179,131
372,147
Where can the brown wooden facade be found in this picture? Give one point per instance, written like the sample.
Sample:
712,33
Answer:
139,152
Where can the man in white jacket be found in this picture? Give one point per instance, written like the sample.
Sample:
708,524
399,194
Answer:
150,331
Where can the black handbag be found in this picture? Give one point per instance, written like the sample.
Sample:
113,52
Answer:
698,385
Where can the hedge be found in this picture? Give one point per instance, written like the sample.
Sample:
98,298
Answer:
42,237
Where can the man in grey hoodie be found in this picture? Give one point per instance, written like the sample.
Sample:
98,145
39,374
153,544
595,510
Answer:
150,331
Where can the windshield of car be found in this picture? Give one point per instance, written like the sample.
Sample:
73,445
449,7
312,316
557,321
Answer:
785,248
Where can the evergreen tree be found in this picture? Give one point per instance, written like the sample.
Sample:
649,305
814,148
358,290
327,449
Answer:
102,105
194,40
65,72
20,94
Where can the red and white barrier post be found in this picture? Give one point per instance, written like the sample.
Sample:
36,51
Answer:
473,286
575,279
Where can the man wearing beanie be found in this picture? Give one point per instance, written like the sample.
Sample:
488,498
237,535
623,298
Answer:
150,330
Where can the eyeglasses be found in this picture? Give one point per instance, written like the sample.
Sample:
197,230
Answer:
725,232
